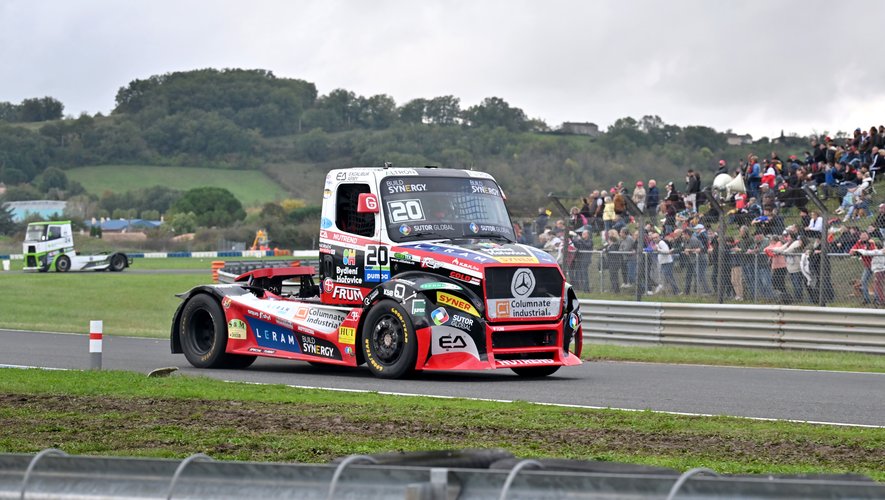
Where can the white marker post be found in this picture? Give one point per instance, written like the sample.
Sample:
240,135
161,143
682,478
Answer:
95,330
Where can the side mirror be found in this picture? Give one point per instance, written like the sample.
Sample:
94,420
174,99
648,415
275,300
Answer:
367,204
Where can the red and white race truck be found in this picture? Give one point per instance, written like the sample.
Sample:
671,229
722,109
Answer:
418,270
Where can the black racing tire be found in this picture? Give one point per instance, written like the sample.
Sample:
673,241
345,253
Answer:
203,333
118,262
388,339
63,264
535,371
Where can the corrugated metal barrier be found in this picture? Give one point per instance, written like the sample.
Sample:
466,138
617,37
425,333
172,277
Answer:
768,326
53,475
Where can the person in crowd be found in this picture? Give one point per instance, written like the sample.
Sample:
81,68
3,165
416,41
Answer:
692,187
619,203
665,261
628,261
864,243
639,196
583,259
792,252
845,240
815,226
576,219
612,259
608,217
723,167
652,198
669,209
754,175
778,264
761,284
671,193
735,263
691,247
877,266
541,222
700,232
880,221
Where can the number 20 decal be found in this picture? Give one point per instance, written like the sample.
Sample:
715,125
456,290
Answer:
405,210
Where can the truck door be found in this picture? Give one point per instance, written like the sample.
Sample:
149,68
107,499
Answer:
357,262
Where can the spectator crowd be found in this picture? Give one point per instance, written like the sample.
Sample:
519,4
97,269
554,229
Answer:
763,257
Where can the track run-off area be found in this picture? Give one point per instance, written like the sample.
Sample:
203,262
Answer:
841,398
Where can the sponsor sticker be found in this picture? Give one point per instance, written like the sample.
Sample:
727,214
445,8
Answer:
529,307
349,257
473,227
525,259
225,302
456,302
347,335
573,321
518,362
325,222
347,293
327,193
446,339
436,285
418,306
328,285
439,316
405,229
236,329
462,322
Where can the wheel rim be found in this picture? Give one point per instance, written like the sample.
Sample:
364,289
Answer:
202,332
387,339
63,264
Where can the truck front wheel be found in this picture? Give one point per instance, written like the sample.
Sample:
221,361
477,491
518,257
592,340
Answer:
204,335
63,264
118,262
388,341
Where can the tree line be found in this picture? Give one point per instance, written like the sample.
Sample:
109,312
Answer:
245,119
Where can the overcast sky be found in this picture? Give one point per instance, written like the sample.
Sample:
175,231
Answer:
751,66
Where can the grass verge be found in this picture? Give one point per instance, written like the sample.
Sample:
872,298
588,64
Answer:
728,356
121,413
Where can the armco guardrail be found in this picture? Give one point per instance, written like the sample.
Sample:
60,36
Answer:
51,474
769,326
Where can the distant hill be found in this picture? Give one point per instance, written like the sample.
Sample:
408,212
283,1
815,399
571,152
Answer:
265,137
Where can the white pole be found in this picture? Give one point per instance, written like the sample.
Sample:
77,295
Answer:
95,332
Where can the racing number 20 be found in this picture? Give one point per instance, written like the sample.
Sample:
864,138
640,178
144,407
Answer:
403,210
377,256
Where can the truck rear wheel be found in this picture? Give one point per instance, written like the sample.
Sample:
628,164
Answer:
388,339
204,335
63,264
535,371
118,262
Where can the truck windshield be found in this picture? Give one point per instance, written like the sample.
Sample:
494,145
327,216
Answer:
36,233
423,208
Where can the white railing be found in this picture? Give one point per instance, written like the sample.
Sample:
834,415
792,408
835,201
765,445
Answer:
768,326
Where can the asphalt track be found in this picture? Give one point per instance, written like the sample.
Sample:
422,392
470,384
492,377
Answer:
830,397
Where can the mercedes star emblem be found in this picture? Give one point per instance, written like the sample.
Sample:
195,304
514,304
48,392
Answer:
523,283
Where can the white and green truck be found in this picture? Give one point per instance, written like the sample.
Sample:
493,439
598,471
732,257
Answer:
50,244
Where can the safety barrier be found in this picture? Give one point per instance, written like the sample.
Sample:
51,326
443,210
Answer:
53,474
768,326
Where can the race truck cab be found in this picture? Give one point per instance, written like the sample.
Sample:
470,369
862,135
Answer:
50,245
419,270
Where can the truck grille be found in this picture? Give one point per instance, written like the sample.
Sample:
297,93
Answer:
548,282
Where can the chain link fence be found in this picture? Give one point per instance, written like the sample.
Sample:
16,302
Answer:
733,258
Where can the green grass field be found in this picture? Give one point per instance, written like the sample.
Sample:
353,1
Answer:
251,187
116,413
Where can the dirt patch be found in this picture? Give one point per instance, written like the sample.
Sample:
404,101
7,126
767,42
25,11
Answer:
251,431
